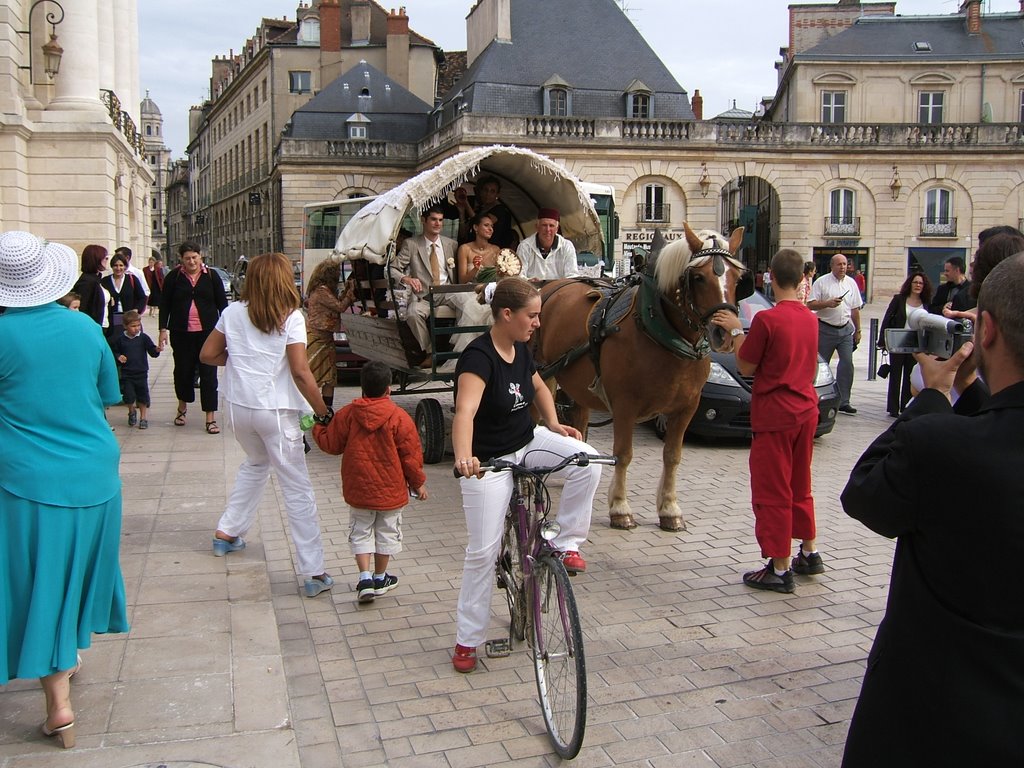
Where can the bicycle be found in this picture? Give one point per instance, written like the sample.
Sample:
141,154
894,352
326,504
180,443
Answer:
542,607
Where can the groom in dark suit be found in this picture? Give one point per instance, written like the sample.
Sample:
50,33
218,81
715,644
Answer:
425,260
945,677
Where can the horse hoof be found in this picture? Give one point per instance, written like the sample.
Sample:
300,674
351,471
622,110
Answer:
623,522
671,524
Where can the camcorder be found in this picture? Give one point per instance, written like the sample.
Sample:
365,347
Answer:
934,334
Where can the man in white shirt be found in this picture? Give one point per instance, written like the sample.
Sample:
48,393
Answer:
837,301
546,255
425,260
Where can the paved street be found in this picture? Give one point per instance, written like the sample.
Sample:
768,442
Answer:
227,665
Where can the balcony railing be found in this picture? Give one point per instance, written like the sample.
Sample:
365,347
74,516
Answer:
938,227
842,225
122,121
653,213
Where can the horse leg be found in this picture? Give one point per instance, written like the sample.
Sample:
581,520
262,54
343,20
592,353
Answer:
618,506
670,517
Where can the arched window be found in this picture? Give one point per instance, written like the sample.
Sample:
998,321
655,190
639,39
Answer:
653,207
938,219
842,218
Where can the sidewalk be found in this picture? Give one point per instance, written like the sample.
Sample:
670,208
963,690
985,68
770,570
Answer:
226,664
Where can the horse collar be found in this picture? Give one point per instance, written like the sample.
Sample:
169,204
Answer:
651,316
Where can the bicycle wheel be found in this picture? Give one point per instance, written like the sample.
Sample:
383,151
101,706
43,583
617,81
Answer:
558,657
510,579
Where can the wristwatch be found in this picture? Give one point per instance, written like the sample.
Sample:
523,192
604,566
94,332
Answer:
324,420
736,332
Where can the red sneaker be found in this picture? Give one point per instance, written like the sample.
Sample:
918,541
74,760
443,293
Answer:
464,658
574,562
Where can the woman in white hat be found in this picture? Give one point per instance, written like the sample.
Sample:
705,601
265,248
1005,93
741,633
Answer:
59,547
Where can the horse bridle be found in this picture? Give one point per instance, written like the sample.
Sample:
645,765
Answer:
683,299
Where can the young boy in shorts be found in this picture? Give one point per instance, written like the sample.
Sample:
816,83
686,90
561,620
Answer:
781,352
130,349
383,460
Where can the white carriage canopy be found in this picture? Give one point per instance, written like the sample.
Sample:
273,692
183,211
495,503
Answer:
528,181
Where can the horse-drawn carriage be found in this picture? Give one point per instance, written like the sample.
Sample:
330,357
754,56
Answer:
370,242
637,347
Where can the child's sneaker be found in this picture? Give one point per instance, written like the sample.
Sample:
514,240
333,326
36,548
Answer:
133,418
365,592
807,565
384,585
766,578
318,584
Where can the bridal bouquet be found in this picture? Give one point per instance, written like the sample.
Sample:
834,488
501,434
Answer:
508,266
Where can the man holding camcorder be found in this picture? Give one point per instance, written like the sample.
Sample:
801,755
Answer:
945,677
837,301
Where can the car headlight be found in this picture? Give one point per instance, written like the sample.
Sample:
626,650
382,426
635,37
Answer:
824,377
718,375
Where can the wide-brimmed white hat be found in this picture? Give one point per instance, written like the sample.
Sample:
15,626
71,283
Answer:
34,271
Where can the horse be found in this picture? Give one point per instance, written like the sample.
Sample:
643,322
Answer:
649,359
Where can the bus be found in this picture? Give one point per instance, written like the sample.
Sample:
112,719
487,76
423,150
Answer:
603,198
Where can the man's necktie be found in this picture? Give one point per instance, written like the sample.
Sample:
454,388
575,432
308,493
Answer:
435,265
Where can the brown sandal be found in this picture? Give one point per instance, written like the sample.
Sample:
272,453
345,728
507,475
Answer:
179,420
212,428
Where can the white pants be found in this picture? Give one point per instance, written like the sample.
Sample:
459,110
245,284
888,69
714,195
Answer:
473,313
485,501
273,440
418,315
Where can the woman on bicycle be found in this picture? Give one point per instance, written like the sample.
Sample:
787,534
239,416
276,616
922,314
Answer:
496,382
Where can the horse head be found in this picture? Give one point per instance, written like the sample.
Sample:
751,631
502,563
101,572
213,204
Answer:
698,276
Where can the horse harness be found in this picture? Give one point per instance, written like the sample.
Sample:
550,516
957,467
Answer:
616,300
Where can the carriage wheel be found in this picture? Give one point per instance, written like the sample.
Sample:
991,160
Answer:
430,425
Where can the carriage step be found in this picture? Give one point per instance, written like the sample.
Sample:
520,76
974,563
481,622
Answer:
499,648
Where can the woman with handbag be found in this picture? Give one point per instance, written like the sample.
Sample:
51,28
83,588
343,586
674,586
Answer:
125,293
915,292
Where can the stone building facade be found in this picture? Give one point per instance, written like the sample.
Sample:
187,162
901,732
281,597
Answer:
238,206
894,153
71,153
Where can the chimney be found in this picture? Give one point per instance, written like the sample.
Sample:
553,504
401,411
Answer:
697,102
398,47
330,25
360,22
488,20
972,8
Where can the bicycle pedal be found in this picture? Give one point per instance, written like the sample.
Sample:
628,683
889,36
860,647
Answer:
498,649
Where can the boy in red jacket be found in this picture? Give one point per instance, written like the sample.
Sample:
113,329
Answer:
383,460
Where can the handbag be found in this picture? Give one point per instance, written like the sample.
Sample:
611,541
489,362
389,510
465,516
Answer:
883,369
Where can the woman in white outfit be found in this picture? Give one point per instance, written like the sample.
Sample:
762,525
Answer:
495,383
261,342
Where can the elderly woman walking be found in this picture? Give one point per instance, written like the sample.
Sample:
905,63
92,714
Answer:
61,580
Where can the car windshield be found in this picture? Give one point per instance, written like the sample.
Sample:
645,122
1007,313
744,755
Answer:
751,305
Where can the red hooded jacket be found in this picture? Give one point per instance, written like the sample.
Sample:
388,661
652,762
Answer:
383,457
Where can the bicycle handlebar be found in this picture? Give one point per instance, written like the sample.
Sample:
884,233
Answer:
578,459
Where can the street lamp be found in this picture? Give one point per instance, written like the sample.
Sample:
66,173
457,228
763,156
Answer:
52,51
704,182
895,185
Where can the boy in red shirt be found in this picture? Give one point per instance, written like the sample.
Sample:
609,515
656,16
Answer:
781,352
383,460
